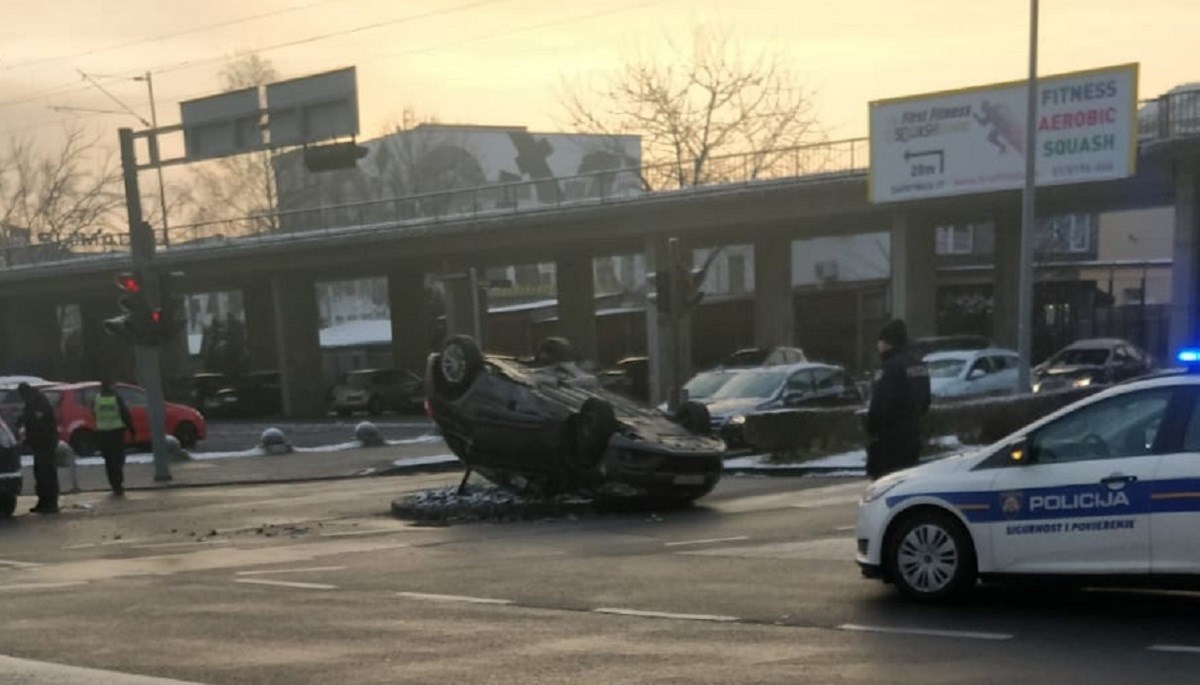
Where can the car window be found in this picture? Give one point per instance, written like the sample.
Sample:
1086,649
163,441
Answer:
132,397
1085,356
1191,436
386,378
982,364
825,379
945,368
751,384
802,381
1120,354
1003,363
1122,426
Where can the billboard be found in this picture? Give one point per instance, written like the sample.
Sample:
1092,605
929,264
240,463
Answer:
973,140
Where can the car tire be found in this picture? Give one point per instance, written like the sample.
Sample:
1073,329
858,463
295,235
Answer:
694,416
187,435
375,406
8,504
931,557
457,366
592,427
83,443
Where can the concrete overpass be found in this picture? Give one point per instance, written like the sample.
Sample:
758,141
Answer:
277,271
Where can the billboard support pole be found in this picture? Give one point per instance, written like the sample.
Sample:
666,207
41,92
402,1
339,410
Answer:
1026,277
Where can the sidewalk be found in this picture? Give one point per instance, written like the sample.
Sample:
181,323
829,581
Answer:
303,465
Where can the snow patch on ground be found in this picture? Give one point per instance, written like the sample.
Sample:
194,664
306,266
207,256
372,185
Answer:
426,461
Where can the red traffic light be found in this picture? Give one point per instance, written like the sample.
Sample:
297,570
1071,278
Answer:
156,316
129,282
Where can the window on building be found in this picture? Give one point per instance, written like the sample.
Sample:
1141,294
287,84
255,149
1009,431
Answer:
737,274
955,240
1133,295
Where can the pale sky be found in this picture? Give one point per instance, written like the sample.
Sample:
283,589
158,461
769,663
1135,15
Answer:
499,62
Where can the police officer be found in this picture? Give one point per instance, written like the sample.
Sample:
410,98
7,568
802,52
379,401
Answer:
41,434
112,420
899,398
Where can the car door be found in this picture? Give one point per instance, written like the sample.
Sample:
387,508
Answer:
1004,375
135,401
1175,498
979,377
1079,505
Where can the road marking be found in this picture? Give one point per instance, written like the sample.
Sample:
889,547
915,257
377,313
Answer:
185,543
1183,649
927,632
311,569
454,598
285,583
664,614
8,563
823,549
106,543
40,586
708,541
843,529
349,533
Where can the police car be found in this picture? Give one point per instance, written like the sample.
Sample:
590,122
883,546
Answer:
1106,490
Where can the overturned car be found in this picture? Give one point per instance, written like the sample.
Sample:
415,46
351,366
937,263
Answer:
546,424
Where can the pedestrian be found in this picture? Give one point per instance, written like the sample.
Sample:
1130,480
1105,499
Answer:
41,435
112,422
899,398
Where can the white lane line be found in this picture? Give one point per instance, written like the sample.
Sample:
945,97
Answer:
1182,649
927,632
454,598
9,563
106,543
708,541
311,569
664,614
285,583
39,586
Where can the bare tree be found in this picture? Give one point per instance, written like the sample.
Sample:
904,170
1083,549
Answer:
707,99
67,196
241,188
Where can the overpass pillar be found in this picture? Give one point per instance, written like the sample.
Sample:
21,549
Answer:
104,355
1185,272
575,280
410,318
32,338
298,343
914,286
1005,284
774,298
663,348
258,308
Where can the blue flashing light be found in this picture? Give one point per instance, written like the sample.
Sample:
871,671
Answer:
1188,356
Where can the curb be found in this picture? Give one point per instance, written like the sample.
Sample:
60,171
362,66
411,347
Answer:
797,470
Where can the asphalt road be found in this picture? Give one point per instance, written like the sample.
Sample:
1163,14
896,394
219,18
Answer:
228,435
313,583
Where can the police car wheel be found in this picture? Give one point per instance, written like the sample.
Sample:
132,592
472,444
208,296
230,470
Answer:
931,557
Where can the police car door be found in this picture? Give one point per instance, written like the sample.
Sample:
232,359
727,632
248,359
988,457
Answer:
1175,499
1080,503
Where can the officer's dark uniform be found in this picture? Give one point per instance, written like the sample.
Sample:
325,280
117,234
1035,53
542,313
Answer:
41,434
899,399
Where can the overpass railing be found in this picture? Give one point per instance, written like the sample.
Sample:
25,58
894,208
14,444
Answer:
816,162
1174,115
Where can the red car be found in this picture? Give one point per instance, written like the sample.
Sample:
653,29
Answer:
76,424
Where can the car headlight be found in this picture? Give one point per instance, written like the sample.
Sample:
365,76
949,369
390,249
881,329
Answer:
1081,382
737,420
1037,387
880,488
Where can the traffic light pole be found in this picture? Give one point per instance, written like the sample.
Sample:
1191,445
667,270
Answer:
149,369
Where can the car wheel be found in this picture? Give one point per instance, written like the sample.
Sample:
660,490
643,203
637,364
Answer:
8,504
187,435
458,364
694,416
931,557
375,406
83,443
593,426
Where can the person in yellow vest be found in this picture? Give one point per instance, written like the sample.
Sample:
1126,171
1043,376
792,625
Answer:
112,420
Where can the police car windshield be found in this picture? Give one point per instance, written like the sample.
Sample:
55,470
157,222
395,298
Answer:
751,384
945,368
1080,357
705,384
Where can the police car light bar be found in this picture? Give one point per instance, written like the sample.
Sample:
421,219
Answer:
1188,355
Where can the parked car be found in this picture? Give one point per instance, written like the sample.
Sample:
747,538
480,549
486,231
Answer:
921,347
764,356
10,472
76,424
549,423
259,393
777,387
202,389
973,373
1096,361
377,390
11,403
629,377
702,386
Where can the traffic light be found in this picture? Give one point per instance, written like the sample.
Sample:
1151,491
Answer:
171,316
333,157
134,324
688,281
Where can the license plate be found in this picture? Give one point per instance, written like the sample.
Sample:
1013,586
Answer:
689,479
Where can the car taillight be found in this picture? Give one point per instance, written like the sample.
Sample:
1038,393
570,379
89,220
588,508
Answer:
428,409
